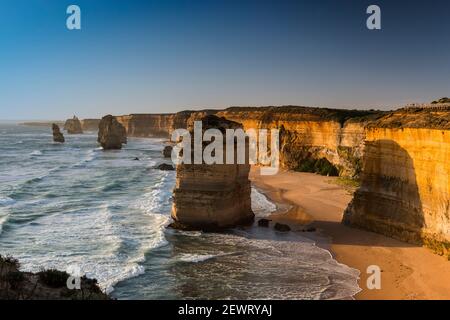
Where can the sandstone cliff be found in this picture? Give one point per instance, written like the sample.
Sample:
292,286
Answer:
147,125
90,124
73,126
404,156
335,135
111,134
405,182
212,196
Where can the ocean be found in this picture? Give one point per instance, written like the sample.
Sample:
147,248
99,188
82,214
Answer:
74,206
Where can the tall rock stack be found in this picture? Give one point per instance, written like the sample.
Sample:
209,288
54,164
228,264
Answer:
73,126
212,196
57,135
111,134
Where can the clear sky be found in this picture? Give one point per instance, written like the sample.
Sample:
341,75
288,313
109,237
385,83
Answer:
166,56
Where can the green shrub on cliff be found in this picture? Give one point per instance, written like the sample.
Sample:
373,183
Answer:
53,278
321,166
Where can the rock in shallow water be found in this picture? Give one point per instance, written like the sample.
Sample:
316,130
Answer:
165,167
281,227
263,222
57,135
111,134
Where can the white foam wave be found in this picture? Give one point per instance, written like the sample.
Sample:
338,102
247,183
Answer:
188,257
36,153
261,206
6,201
90,156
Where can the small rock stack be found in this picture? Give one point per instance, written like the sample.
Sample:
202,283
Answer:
111,133
57,135
73,126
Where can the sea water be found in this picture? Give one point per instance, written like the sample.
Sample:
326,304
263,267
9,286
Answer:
74,205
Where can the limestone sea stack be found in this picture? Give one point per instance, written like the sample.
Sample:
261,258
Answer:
73,126
212,196
111,134
57,135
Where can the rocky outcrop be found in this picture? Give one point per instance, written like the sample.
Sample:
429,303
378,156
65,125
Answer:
405,182
45,285
73,126
165,167
90,124
212,196
111,134
57,135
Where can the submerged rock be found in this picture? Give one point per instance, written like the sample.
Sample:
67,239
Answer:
263,222
167,152
57,135
165,167
73,126
212,196
281,227
111,134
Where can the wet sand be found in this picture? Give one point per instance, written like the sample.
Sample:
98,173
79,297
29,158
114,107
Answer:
408,271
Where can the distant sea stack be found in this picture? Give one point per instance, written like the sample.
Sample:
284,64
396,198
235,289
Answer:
57,135
73,126
111,134
212,196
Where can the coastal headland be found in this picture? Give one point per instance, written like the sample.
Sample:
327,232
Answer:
396,161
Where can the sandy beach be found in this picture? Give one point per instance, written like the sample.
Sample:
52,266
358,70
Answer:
408,271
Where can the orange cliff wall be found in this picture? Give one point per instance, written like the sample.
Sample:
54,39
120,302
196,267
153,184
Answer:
404,157
306,135
306,132
405,186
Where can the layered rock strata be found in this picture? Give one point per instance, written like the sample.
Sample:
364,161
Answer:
405,181
212,196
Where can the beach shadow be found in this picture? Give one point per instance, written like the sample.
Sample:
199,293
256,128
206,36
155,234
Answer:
388,200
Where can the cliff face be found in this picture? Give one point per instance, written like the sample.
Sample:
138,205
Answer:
335,135
311,133
405,182
147,125
212,196
90,124
404,157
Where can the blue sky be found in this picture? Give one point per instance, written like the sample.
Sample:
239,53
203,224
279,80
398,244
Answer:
167,55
